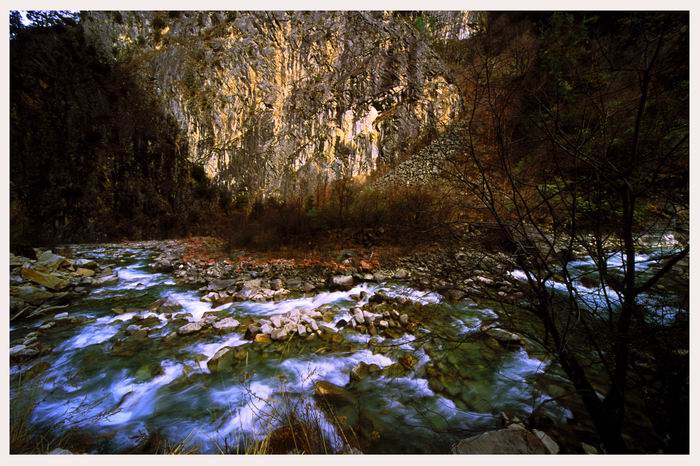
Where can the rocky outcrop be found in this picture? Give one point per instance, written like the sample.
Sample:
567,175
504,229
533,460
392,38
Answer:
277,102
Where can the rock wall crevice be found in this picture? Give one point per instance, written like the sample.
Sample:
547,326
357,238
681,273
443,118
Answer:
281,104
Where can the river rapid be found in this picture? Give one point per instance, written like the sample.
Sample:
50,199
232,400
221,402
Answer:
119,371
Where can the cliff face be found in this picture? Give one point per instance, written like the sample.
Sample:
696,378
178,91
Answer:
277,103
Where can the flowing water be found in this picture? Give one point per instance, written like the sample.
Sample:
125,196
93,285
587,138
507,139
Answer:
118,387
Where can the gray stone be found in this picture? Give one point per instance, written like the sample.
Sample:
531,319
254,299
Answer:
85,263
276,321
589,449
49,262
276,284
23,352
253,284
229,323
503,336
60,451
192,327
342,281
221,284
210,319
308,287
551,445
358,315
504,441
279,334
486,281
133,328
294,283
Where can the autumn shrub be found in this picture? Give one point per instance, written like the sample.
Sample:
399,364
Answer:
411,214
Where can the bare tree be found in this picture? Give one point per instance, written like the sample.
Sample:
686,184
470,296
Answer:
576,143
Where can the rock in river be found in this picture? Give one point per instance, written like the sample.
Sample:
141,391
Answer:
342,281
504,441
51,281
32,294
49,262
190,328
503,336
333,393
224,359
84,272
229,323
85,263
20,352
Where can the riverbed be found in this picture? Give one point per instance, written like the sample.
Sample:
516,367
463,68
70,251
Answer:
119,386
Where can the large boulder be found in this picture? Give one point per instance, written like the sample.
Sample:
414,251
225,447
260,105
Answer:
85,263
47,261
248,293
279,334
333,393
276,284
227,324
503,336
363,370
253,284
550,444
223,360
343,282
192,327
60,451
31,294
511,441
18,261
22,352
84,272
221,284
52,281
294,283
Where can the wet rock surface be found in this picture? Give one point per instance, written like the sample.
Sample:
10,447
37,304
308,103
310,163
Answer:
511,441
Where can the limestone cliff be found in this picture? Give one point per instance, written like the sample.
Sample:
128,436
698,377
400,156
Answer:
278,103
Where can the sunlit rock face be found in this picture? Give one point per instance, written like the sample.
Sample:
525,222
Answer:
284,103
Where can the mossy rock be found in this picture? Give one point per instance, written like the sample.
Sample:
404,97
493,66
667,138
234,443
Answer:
394,370
408,361
333,393
435,385
148,371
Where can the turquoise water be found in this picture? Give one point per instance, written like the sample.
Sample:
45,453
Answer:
121,387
